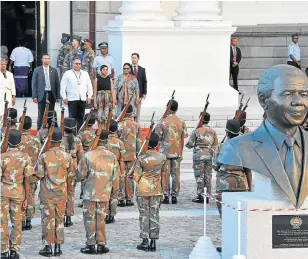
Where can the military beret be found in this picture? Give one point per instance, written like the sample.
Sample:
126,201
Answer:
113,126
103,45
27,123
233,126
153,142
14,138
92,119
174,106
88,41
56,135
69,123
129,109
76,37
104,135
51,114
12,113
69,43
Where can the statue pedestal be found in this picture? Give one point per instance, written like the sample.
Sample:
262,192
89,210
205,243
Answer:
261,231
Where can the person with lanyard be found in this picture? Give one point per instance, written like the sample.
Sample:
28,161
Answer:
103,59
104,96
76,91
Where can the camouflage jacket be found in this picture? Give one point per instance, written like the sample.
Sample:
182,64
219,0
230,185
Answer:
129,132
76,152
42,135
61,56
87,58
148,173
244,130
15,165
99,170
116,146
54,168
171,130
87,137
204,141
30,145
70,57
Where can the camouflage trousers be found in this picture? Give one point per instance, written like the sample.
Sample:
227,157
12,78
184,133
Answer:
30,212
104,102
203,175
10,208
219,198
94,214
52,223
71,199
149,216
112,207
174,172
126,183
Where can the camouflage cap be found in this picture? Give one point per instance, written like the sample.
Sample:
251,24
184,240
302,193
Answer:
12,113
153,142
14,138
56,135
113,126
76,37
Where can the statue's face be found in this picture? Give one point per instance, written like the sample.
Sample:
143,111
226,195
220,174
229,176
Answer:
288,103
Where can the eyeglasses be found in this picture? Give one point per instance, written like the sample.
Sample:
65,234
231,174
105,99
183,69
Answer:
295,38
77,63
125,68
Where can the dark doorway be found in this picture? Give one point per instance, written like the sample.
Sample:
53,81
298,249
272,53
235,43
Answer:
22,20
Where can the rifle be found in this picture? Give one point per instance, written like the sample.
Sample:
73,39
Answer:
204,112
169,106
86,122
6,112
22,120
109,119
238,111
62,116
5,140
45,117
123,113
147,138
98,133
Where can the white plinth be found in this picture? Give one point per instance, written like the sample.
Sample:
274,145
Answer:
194,61
256,227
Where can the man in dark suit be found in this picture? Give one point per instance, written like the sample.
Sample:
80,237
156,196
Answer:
45,80
139,72
235,59
278,149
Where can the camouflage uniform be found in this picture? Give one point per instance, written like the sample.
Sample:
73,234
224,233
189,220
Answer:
149,175
129,132
100,170
42,135
70,57
76,154
55,169
116,146
87,137
170,131
204,141
87,61
104,102
30,145
60,59
15,166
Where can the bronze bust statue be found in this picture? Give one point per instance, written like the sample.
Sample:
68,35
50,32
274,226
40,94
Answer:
278,148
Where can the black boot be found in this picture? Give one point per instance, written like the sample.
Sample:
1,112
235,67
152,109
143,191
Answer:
166,200
5,255
28,224
129,203
198,199
174,200
121,203
81,195
88,250
57,251
207,200
23,225
107,219
101,249
14,255
69,222
111,219
64,222
46,251
144,245
153,245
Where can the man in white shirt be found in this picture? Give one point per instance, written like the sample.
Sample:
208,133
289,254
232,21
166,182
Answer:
294,53
22,58
76,91
103,59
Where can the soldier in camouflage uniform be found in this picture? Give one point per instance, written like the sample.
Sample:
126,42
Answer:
15,170
87,137
230,178
43,132
204,141
116,146
72,55
87,57
30,145
244,129
172,132
100,170
62,53
129,132
55,169
73,147
150,176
